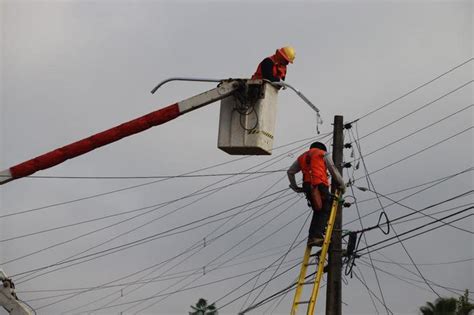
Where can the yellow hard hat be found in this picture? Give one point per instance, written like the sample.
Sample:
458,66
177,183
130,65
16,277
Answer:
288,53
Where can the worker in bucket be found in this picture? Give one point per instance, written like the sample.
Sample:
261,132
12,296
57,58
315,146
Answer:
273,68
314,165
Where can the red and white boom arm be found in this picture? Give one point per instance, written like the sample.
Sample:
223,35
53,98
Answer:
137,125
8,299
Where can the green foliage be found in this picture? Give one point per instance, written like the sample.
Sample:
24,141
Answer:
442,306
449,306
464,307
202,308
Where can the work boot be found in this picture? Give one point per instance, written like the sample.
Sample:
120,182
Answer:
316,241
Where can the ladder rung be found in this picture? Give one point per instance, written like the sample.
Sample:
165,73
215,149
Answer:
317,254
303,302
311,264
306,283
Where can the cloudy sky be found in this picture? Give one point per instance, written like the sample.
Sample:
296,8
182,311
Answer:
70,69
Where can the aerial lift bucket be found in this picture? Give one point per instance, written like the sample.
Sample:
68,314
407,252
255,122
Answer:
247,119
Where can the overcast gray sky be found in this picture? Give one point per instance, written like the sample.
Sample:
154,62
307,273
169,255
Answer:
70,69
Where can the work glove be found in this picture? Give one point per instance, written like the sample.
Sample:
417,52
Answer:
296,189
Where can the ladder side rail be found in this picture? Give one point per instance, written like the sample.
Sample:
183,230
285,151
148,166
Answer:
324,251
301,280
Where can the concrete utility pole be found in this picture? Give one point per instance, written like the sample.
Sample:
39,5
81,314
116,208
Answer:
334,288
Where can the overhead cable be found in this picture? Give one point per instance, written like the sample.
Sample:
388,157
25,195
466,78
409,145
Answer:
417,152
153,182
415,89
416,110
418,228
416,131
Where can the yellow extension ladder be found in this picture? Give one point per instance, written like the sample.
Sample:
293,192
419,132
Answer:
322,258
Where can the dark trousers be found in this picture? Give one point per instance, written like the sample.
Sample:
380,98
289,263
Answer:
320,215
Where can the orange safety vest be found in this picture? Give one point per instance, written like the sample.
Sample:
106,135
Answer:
313,167
278,70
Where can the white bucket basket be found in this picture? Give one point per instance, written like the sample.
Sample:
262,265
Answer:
247,123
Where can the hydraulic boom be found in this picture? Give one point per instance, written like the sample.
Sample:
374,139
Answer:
8,299
161,116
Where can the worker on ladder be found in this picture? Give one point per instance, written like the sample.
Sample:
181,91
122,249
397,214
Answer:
314,165
273,68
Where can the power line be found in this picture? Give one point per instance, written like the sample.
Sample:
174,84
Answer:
241,223
281,259
182,288
270,298
107,241
370,183
407,280
437,212
114,215
248,219
416,110
417,152
213,191
393,222
371,293
107,227
417,268
152,279
415,89
418,228
152,182
427,215
85,292
415,193
94,196
236,255
427,264
470,169
416,131
452,290
151,176
266,299
371,262
129,244
193,246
